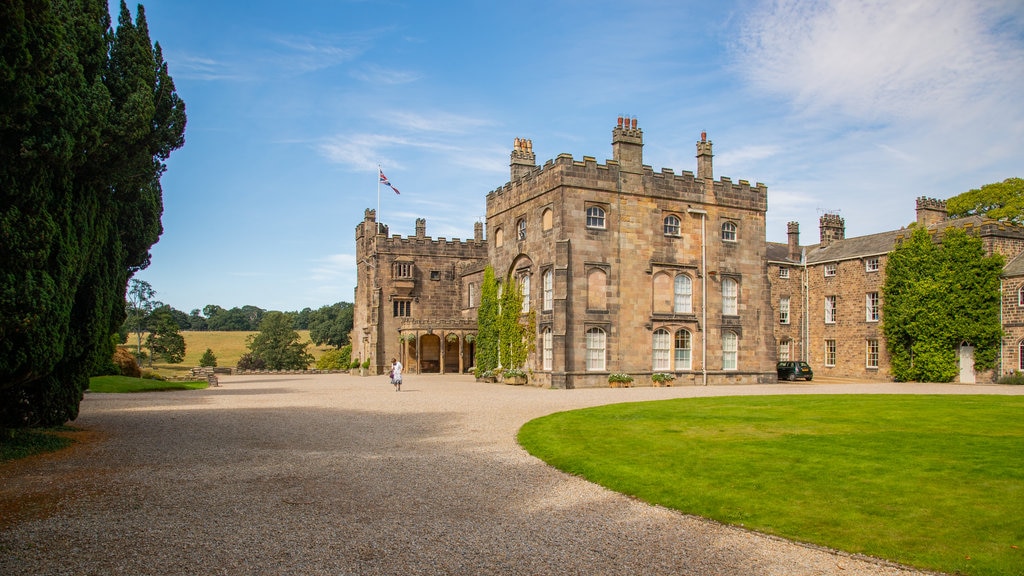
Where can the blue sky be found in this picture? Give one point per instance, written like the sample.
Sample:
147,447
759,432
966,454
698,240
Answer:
849,106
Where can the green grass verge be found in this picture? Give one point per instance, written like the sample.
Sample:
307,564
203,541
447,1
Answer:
118,384
16,444
931,481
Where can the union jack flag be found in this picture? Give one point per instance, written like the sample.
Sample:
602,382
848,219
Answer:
384,181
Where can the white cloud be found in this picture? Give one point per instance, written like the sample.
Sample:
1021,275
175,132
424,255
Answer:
878,60
377,75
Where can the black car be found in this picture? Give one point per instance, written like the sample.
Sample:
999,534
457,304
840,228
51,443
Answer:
794,370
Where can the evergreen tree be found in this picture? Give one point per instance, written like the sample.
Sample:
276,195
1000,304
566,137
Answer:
277,344
208,360
487,324
87,117
164,341
936,297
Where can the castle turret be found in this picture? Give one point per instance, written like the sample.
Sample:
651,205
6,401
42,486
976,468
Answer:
793,231
704,156
628,145
421,227
523,158
478,231
833,228
931,211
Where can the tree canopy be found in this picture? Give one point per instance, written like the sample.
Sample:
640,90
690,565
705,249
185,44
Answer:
1000,201
278,344
937,296
330,325
88,115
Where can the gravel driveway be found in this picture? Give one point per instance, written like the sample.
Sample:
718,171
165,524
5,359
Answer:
336,474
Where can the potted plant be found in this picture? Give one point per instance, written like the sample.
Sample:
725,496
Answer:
365,368
619,380
662,379
514,376
486,376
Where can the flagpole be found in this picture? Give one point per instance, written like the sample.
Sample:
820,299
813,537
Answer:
379,172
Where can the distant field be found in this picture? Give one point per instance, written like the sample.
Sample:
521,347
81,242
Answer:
228,347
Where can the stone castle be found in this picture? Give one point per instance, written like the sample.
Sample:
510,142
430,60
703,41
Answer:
630,270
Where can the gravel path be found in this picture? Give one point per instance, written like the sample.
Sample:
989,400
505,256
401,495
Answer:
336,475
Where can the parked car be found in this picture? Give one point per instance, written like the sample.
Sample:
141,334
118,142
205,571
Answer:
794,370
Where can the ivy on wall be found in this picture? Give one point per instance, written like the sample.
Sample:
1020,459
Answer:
939,295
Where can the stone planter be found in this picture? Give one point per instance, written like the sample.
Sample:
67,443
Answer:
515,380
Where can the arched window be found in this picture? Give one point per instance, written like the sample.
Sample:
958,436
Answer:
521,228
547,219
730,297
548,288
1020,296
1020,356
729,232
730,347
671,225
595,349
683,295
595,217
524,288
661,349
499,237
684,344
662,293
546,345
597,289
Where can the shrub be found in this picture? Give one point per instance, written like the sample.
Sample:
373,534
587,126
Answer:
333,360
126,363
366,363
355,364
1016,377
662,377
250,362
208,360
151,375
620,378
514,373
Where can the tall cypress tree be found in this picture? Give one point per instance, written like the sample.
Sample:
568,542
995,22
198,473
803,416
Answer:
87,117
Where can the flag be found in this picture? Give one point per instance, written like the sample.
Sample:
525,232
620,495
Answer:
384,181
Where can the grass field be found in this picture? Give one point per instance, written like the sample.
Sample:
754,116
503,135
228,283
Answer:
932,481
125,384
228,347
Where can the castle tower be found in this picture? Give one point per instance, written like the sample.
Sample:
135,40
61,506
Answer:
793,232
523,159
832,227
930,211
704,155
628,145
421,227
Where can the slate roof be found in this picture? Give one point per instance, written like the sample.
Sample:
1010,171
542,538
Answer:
1014,267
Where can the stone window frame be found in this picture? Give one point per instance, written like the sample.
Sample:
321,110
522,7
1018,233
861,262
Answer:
785,350
831,308
784,310
872,264
403,268
471,295
682,302
521,229
830,269
402,307
871,353
499,237
661,350
783,272
872,307
547,289
435,275
595,353
730,231
1020,296
547,348
547,219
730,301
596,217
730,351
676,349
672,226
830,352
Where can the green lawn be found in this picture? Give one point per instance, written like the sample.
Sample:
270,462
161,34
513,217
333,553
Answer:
127,384
932,481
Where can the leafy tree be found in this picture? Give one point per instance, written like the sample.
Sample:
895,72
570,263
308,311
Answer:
487,324
208,359
1000,201
139,305
163,340
277,344
196,321
331,325
936,297
88,115
302,318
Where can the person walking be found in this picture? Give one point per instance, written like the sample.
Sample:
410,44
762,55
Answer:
396,374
